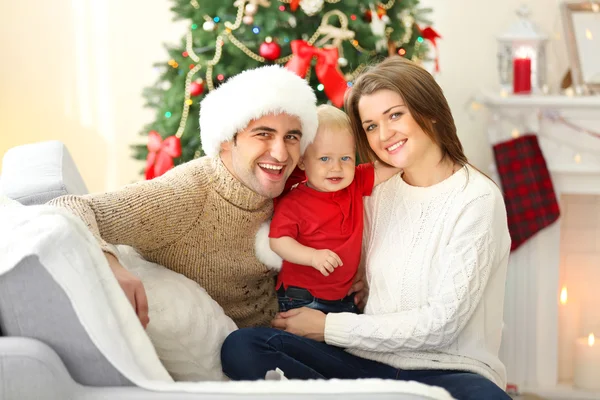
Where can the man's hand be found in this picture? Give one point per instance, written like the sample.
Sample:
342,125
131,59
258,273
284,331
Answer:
360,289
133,288
325,261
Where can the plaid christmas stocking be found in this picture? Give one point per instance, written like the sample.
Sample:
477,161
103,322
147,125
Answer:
529,195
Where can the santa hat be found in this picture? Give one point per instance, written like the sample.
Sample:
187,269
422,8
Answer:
253,94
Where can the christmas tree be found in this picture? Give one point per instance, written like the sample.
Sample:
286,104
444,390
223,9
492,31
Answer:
328,42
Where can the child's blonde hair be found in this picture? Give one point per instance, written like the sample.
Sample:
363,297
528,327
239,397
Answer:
332,118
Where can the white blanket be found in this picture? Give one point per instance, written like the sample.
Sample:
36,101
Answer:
80,269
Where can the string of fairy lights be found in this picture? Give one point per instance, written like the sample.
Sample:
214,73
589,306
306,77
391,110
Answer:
325,31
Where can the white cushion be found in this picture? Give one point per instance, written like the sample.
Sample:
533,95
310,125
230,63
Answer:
36,173
187,327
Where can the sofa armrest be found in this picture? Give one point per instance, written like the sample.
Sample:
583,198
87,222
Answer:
38,172
33,305
29,369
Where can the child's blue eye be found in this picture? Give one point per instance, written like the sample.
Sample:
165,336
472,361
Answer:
346,158
324,159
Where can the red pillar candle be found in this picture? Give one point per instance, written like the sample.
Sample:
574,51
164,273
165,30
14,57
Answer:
522,75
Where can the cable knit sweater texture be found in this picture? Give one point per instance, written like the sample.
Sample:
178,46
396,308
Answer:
197,220
436,260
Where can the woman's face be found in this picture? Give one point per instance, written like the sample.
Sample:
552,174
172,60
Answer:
392,132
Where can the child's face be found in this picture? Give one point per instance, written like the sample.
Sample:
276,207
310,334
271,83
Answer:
329,160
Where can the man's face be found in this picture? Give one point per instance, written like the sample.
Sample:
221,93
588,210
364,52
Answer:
263,155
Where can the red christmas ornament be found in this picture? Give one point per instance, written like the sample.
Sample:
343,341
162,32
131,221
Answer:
196,88
269,50
161,154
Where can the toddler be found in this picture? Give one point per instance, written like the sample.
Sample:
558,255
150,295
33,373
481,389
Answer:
317,227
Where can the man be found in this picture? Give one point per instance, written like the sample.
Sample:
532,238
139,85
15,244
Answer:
200,218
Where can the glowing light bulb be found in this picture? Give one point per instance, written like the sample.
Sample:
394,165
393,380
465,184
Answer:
591,340
563,296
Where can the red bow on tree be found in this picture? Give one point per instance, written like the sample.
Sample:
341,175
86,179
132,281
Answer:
294,5
430,34
161,154
327,71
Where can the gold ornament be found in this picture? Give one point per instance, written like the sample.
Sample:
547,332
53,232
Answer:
246,12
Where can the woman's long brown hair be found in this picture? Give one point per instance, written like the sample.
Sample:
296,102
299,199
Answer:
421,94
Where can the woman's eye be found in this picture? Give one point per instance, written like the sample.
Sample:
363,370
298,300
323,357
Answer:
324,159
395,115
370,127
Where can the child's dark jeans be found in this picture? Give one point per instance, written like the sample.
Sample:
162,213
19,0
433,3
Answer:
295,297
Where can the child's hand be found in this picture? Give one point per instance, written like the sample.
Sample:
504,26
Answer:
325,261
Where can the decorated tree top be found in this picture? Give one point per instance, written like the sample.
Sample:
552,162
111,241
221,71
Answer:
329,42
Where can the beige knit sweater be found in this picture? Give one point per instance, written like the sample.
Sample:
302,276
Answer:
197,220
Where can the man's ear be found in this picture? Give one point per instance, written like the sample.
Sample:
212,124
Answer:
226,146
301,163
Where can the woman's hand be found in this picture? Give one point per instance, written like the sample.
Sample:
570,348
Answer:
360,289
304,322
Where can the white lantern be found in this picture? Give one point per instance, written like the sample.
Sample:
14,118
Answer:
522,41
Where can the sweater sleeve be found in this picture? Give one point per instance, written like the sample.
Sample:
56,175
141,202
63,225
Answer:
477,244
146,215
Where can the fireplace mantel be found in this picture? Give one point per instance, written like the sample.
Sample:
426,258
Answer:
530,340
573,157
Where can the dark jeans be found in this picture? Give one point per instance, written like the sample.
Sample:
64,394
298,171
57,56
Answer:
294,297
247,354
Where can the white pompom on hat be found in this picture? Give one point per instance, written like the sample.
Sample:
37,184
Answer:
250,95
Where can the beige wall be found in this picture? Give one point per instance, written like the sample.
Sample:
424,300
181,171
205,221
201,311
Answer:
67,75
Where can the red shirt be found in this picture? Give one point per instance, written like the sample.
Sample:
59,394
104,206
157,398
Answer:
324,220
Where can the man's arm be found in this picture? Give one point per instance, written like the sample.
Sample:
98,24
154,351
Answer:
290,250
146,215
383,172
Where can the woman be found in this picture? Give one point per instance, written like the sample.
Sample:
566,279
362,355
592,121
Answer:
436,252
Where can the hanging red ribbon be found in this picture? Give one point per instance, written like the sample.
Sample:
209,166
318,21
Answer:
430,34
327,70
161,154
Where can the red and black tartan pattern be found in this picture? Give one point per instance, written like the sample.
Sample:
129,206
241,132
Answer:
531,203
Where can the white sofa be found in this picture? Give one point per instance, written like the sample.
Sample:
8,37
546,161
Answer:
48,346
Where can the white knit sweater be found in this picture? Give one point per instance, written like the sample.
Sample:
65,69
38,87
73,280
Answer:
436,260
